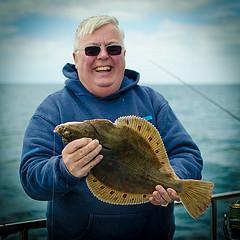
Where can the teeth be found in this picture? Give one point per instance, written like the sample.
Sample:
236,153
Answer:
103,68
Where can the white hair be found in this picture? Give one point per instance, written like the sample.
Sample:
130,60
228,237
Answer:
89,25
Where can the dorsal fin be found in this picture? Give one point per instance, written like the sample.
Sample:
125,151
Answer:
110,195
150,133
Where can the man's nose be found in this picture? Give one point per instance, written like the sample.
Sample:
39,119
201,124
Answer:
103,53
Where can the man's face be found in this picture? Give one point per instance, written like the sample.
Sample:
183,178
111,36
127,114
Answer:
102,74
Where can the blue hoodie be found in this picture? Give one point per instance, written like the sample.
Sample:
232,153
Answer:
73,212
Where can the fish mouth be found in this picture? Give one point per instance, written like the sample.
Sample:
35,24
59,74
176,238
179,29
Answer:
58,129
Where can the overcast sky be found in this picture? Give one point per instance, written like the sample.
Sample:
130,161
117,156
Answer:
197,40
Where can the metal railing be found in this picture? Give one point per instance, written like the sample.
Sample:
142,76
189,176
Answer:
23,227
215,198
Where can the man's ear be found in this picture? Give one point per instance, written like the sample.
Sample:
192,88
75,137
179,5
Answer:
75,59
74,56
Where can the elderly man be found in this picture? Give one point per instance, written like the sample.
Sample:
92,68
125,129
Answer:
99,86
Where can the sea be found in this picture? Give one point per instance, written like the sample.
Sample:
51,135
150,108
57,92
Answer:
216,132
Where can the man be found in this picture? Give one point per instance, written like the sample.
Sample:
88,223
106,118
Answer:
99,86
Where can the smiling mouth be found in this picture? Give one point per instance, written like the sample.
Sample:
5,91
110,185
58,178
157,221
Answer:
103,69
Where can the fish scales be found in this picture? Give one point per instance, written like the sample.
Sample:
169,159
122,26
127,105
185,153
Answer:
135,161
127,172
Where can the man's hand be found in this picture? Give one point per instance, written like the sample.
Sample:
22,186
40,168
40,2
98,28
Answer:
81,155
163,197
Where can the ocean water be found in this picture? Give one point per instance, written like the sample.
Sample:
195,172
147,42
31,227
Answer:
216,133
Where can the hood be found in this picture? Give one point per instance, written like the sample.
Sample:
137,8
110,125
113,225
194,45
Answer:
73,83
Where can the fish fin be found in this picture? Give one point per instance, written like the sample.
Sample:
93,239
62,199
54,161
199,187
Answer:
150,133
110,195
196,196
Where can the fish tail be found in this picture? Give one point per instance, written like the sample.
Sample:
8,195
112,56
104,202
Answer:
196,196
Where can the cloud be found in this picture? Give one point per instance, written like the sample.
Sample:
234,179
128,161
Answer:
34,60
224,11
127,10
198,54
198,51
7,29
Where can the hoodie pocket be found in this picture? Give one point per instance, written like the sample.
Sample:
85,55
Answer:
127,226
85,232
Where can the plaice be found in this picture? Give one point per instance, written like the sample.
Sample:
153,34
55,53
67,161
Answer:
135,161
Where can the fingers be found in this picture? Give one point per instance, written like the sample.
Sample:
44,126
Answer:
163,197
76,144
81,155
160,196
87,152
83,171
173,194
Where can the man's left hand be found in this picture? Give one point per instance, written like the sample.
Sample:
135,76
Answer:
163,196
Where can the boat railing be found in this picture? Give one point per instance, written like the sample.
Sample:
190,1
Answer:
23,227
215,199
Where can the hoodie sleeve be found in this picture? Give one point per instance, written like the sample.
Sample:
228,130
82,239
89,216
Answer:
42,171
184,155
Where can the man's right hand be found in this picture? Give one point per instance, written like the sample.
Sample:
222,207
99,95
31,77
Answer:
81,155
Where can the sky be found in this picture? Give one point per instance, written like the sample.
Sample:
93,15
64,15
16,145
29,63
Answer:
198,41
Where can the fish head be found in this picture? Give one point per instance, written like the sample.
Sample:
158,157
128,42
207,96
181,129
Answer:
70,131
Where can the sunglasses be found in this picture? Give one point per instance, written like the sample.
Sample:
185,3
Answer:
95,50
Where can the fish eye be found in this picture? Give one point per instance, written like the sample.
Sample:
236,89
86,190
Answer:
67,134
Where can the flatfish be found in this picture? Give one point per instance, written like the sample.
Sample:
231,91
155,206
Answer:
135,161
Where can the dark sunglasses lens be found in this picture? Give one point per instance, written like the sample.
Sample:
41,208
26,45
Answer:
92,50
114,50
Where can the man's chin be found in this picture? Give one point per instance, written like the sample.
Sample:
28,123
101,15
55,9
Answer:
104,83
106,88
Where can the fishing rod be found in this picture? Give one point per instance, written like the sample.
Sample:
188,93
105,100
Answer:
197,91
